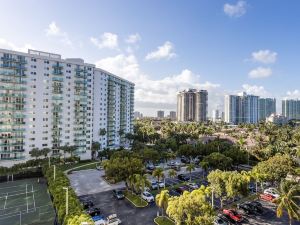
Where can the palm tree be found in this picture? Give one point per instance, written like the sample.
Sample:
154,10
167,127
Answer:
190,168
172,173
162,199
158,173
95,148
204,165
289,200
141,181
131,182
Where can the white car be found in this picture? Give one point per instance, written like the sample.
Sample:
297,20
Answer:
147,196
161,184
192,185
154,185
111,220
272,191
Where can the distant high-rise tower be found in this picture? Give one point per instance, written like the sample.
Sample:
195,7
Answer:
192,105
241,109
172,115
291,109
160,114
215,115
266,107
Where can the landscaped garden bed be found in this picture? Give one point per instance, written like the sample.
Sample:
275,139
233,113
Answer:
136,200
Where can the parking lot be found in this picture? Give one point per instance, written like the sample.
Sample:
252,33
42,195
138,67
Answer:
85,182
90,183
268,217
128,214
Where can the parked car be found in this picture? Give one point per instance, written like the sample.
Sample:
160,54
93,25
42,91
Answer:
154,185
221,221
184,160
193,186
110,220
87,204
272,191
93,211
267,197
247,208
119,194
183,177
150,167
258,207
147,196
171,163
181,189
234,215
161,184
174,193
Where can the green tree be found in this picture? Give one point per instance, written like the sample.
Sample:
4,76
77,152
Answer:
205,166
191,208
35,152
162,199
190,168
158,173
95,148
289,200
217,160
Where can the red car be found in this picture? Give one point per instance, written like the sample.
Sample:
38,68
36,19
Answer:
267,197
234,215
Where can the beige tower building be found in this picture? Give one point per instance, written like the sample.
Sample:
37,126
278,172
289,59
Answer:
192,105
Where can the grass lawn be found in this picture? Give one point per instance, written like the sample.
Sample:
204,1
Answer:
161,220
73,165
135,200
87,167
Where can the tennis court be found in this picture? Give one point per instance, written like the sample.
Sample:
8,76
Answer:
25,202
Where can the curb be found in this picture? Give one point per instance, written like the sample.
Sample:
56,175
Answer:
162,217
135,204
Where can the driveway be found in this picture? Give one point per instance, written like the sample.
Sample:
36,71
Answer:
85,182
128,214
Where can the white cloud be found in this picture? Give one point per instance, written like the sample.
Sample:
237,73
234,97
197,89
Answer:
260,72
9,45
107,40
166,51
54,31
133,38
236,10
293,94
153,94
264,56
255,90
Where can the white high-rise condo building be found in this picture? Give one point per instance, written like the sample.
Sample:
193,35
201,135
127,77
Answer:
266,107
49,102
291,109
241,109
192,105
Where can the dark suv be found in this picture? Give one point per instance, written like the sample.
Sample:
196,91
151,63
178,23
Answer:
119,194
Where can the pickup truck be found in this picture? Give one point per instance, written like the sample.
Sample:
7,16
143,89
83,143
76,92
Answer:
110,220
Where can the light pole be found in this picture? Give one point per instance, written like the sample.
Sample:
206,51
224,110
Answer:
49,161
67,199
54,172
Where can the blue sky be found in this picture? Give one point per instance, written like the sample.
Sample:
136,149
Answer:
165,46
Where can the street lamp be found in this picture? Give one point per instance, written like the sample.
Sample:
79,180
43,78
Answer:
67,199
54,172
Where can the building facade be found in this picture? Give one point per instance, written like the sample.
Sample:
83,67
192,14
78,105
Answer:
49,102
172,115
192,105
160,114
277,119
266,107
241,109
291,109
216,115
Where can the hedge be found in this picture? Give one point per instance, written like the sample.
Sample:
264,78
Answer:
76,214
